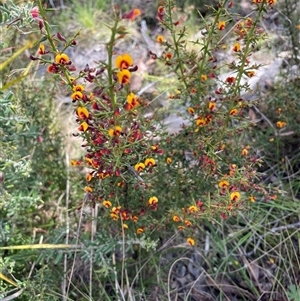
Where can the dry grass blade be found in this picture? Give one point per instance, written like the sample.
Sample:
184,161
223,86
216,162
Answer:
41,246
13,296
227,288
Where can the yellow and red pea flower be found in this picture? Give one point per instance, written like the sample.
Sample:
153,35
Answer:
125,215
248,22
132,102
77,95
180,228
123,76
89,161
200,121
155,148
188,223
124,61
82,112
121,184
41,50
89,177
271,2
161,9
139,230
250,73
114,216
75,162
232,169
236,47
208,118
203,77
102,175
116,131
224,184
160,39
168,55
252,199
88,189
116,210
190,241
61,58
191,110
134,218
53,68
150,162
176,218
139,166
83,127
244,152
153,201
221,25
212,105
169,160
193,209
132,99
125,226
79,88
107,204
235,196
233,112
160,13
280,124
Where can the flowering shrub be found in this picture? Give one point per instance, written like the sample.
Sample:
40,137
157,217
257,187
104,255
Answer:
144,178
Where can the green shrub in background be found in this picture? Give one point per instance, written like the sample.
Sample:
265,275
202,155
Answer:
32,163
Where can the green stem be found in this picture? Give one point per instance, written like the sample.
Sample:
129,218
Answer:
243,58
110,49
247,50
177,51
211,34
49,38
47,27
